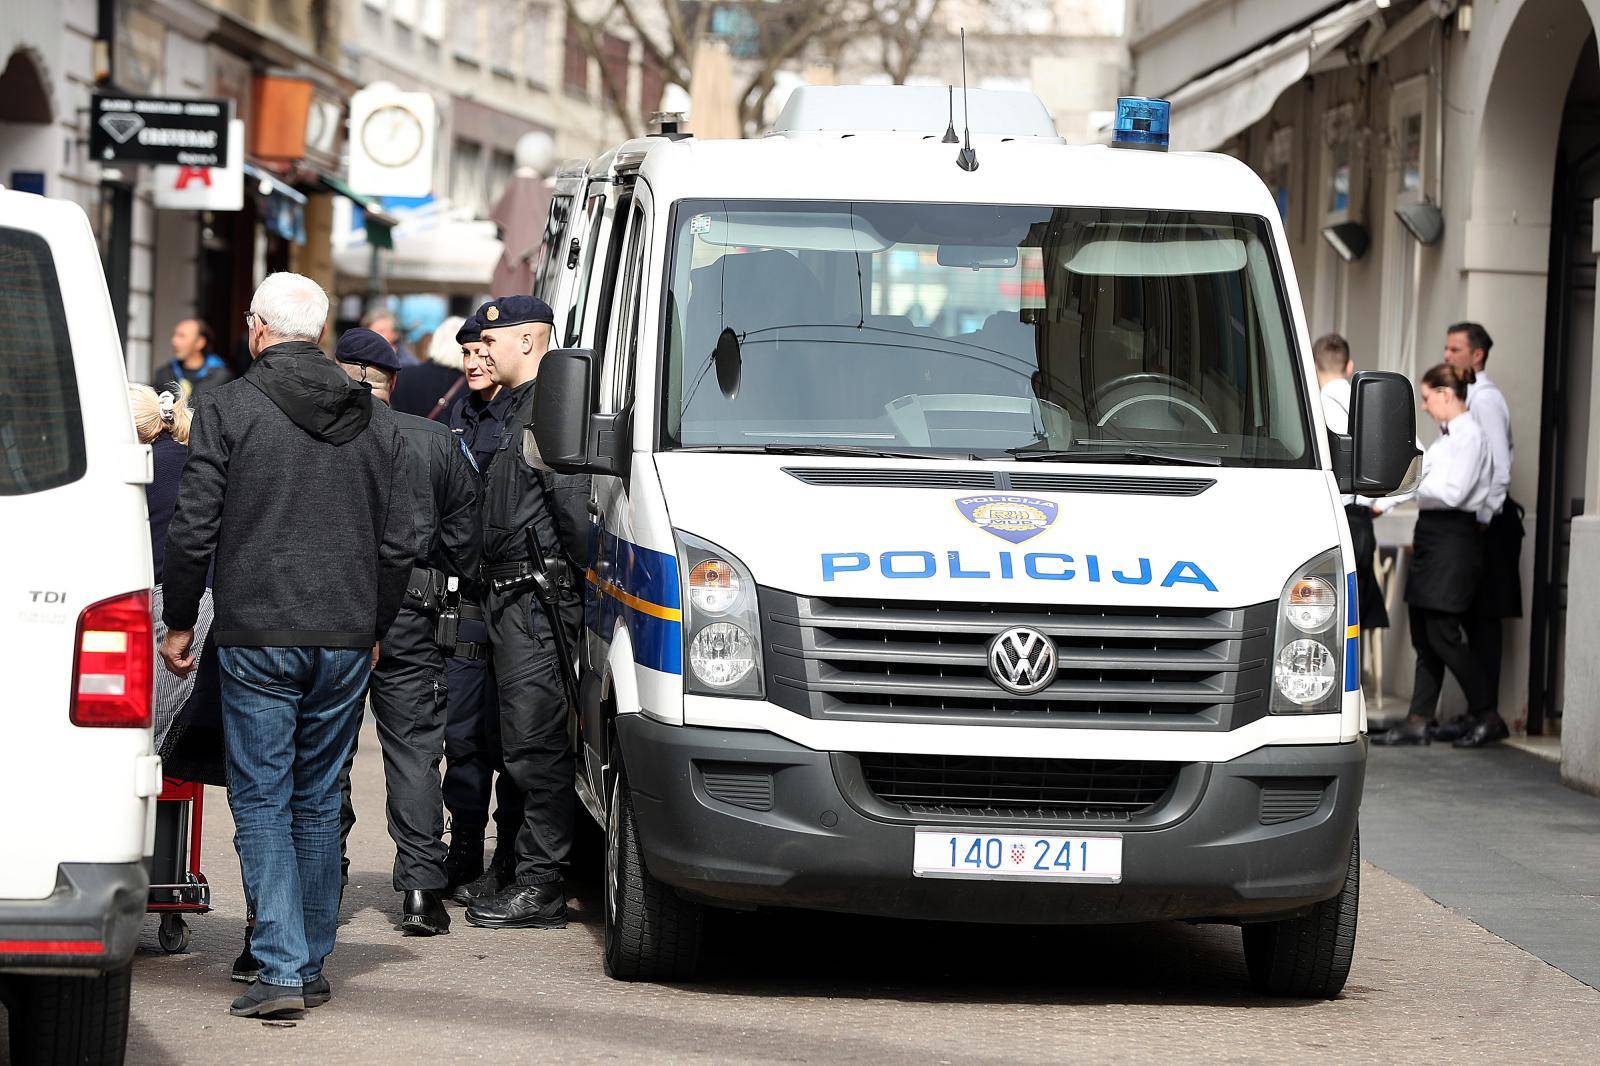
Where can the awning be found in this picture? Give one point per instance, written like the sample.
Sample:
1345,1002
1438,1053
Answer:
274,185
380,224
441,253
1210,109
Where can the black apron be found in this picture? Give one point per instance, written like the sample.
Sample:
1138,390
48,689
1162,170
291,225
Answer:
1500,587
1446,561
1364,544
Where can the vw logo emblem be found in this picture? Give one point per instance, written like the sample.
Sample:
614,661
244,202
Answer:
1022,661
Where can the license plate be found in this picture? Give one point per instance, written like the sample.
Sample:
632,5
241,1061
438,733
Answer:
1095,858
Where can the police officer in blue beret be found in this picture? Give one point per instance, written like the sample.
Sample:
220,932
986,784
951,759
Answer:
535,527
474,768
408,693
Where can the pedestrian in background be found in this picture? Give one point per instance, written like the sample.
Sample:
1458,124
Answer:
1499,594
299,495
408,691
162,421
386,324
1447,557
429,388
474,767
533,522
194,366
1331,354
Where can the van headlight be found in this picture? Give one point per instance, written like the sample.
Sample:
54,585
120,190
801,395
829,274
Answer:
1308,658
721,622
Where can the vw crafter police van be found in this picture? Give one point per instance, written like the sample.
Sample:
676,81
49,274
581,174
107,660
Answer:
967,538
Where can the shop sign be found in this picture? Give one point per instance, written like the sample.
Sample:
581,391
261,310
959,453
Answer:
154,129
205,188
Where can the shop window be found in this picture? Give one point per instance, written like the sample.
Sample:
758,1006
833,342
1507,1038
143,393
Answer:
575,63
535,41
466,32
1339,162
1279,169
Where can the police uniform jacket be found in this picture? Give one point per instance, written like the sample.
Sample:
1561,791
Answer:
479,422
518,496
443,496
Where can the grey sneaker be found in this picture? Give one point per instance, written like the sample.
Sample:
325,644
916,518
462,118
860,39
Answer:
262,1000
316,991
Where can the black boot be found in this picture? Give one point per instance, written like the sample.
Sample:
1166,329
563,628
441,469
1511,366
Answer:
523,907
246,966
1490,729
464,864
493,881
424,914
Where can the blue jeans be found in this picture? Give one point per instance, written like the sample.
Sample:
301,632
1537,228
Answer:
289,717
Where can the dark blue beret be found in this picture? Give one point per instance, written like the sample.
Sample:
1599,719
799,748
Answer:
471,330
365,348
515,311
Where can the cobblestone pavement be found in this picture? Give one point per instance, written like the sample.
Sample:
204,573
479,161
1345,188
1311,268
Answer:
1428,986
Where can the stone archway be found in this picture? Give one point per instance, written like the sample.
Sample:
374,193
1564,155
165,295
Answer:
1530,61
24,90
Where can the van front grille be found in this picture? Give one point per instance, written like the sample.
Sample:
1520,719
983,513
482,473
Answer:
870,660
981,786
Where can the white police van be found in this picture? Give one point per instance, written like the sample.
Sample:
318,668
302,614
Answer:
78,778
968,541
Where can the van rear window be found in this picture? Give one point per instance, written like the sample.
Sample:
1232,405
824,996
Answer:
41,423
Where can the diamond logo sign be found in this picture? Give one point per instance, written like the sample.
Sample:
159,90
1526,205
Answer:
1013,518
121,127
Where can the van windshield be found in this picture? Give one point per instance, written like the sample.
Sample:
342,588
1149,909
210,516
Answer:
995,331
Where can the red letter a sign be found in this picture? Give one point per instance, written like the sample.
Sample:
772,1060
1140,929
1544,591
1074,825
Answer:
188,174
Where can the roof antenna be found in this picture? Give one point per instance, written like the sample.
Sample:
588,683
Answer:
950,130
966,159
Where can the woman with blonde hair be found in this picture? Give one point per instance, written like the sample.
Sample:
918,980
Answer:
162,421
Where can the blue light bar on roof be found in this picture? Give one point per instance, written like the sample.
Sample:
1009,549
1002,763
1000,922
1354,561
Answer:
1141,123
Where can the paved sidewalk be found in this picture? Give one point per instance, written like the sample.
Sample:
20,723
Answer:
1429,986
1496,836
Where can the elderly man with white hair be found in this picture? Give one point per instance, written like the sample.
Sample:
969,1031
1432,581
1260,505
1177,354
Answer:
294,495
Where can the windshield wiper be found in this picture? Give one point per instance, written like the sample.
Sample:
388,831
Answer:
851,450
1125,455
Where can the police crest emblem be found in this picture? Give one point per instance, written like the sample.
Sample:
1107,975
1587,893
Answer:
1012,518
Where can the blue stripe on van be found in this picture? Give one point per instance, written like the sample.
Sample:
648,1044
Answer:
638,585
1352,642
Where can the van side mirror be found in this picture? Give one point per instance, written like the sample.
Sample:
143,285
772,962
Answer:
1380,455
571,438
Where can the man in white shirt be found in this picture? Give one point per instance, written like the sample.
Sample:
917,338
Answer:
1331,354
1499,597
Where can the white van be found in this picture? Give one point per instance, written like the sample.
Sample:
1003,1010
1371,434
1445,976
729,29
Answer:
78,779
968,538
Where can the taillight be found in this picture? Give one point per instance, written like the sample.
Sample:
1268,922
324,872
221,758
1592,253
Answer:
113,663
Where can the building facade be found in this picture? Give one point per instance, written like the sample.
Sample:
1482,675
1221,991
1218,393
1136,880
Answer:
1449,151
163,266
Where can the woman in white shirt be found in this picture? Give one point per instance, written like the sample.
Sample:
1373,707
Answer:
1447,557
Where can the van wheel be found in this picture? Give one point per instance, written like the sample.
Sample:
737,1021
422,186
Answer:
1308,956
79,1020
651,933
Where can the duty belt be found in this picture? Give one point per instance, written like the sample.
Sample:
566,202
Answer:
504,571
471,652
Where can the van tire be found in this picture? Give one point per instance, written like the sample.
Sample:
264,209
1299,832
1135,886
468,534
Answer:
1308,957
651,933
78,1020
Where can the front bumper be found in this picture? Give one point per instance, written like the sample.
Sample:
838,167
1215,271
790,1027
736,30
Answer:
1206,851
90,923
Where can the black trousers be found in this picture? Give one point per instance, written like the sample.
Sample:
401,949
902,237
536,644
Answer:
1440,641
533,732
408,697
473,756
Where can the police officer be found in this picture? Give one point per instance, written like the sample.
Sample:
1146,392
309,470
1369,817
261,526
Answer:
472,722
535,524
408,684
